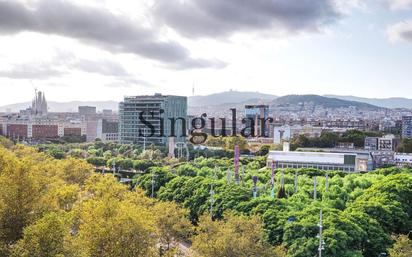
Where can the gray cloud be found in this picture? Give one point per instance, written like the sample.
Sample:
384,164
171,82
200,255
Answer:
200,63
109,68
31,71
92,25
104,67
64,61
219,18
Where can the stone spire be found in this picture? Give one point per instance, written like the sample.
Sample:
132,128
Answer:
39,104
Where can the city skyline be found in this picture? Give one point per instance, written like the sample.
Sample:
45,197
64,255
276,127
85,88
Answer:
360,48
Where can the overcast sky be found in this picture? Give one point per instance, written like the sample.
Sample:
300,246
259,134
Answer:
105,49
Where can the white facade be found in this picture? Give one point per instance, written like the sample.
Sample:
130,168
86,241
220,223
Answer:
349,162
106,135
403,159
386,143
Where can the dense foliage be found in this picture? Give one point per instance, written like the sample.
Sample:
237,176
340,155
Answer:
361,211
52,207
60,207
331,139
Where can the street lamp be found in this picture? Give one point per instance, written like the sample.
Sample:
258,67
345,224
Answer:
153,184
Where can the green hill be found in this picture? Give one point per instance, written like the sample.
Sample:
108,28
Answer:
326,102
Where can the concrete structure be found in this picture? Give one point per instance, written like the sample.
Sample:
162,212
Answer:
407,127
387,143
257,113
44,131
87,110
20,131
345,145
107,112
91,129
371,143
382,158
108,130
348,162
72,131
173,121
403,159
41,128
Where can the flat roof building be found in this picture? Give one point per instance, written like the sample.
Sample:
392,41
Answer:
87,110
348,162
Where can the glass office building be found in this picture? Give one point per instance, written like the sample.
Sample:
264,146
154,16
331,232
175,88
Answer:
132,128
257,113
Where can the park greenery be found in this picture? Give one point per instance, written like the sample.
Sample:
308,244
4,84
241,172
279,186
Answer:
53,203
331,139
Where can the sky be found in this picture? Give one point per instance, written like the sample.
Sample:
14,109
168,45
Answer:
106,49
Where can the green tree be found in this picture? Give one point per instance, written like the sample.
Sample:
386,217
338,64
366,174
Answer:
405,146
47,237
187,170
264,150
232,141
402,247
172,223
110,228
236,235
160,177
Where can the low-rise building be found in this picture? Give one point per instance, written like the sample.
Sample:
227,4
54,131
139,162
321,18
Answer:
403,159
108,130
87,110
388,143
41,128
371,143
346,161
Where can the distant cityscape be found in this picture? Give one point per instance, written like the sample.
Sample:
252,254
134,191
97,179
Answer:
299,116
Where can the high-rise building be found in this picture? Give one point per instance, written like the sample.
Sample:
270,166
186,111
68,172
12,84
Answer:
407,127
257,113
39,104
172,122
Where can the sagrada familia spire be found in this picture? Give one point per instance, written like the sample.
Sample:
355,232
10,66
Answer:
39,104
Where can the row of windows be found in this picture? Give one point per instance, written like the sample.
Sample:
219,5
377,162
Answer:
403,160
316,166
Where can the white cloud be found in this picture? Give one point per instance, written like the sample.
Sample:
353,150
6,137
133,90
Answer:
399,4
401,31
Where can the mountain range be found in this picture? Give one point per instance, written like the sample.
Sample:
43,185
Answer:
229,97
327,102
393,102
237,99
